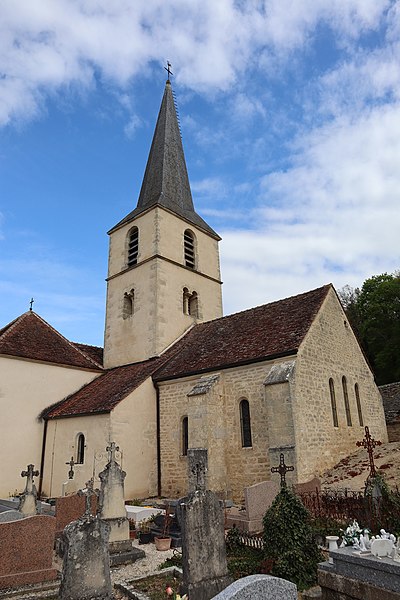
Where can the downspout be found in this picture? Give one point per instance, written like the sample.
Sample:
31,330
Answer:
158,439
42,458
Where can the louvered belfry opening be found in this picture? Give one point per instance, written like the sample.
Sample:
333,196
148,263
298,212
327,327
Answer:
189,249
133,247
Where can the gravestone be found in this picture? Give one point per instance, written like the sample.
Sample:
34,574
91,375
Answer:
257,500
259,587
86,566
10,515
201,517
112,510
70,508
26,551
28,499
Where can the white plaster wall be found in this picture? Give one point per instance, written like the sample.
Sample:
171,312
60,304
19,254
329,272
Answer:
133,427
26,388
61,445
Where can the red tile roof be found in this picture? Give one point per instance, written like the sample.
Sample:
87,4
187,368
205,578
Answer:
275,329
105,392
29,336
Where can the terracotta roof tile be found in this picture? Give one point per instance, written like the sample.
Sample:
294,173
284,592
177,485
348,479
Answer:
105,392
391,401
29,336
252,335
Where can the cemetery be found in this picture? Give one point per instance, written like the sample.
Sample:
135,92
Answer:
286,542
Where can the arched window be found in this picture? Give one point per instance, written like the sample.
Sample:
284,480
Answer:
185,303
185,436
333,403
129,304
346,401
245,425
133,246
194,305
358,401
80,449
189,250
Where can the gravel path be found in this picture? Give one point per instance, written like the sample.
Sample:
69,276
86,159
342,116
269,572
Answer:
143,566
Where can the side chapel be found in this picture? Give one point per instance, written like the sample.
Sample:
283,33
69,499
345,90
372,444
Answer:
288,376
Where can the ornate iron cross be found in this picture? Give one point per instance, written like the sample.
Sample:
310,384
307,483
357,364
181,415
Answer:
369,443
88,492
71,463
112,449
282,470
168,69
29,474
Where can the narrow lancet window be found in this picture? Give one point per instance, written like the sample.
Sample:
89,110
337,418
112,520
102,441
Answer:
129,304
188,242
333,403
346,401
245,424
133,246
358,401
185,436
185,299
194,305
80,449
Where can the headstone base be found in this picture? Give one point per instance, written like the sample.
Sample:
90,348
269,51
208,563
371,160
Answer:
205,590
124,552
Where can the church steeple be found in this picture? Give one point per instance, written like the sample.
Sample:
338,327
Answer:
163,270
166,182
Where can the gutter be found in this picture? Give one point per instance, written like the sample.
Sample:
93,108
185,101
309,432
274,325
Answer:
158,438
42,458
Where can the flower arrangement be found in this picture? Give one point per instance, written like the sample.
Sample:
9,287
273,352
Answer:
351,534
174,595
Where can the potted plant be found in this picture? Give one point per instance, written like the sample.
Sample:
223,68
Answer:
144,532
132,529
163,542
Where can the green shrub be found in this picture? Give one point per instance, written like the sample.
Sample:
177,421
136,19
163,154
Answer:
289,541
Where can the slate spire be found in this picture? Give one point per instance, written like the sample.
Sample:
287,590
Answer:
166,182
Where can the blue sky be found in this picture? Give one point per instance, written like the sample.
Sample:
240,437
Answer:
290,115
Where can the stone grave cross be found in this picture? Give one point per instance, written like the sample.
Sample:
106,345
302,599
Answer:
88,492
369,443
112,449
29,474
198,467
282,469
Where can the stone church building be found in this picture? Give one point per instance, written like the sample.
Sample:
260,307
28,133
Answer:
288,376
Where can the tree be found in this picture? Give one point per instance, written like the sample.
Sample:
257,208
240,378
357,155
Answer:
374,313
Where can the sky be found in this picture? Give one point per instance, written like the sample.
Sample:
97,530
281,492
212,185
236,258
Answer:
290,118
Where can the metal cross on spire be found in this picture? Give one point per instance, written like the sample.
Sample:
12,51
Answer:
282,470
168,69
369,443
88,492
31,303
71,463
112,449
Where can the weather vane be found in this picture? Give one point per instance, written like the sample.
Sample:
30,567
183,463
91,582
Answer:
168,69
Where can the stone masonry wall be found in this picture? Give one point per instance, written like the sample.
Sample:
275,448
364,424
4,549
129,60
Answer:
330,350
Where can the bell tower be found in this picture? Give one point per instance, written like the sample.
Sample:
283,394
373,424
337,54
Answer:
163,267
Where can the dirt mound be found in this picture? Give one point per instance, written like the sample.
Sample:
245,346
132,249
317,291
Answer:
352,471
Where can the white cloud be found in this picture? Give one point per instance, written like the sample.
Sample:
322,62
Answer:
48,46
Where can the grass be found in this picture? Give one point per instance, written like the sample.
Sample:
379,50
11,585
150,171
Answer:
154,586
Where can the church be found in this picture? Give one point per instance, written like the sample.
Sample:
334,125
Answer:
286,377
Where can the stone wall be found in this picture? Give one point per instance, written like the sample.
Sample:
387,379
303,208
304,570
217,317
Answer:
330,350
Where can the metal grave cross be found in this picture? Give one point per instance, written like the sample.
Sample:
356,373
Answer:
71,463
369,443
88,492
168,69
29,474
112,449
282,470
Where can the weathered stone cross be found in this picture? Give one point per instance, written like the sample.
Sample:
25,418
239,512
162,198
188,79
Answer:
369,443
112,449
29,474
71,463
88,492
282,470
197,469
